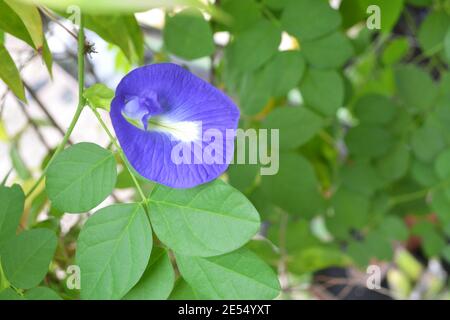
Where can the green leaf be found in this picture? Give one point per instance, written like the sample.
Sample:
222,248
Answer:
432,32
350,209
294,188
432,241
415,87
420,3
368,141
207,220
254,92
395,164
317,258
10,294
442,165
309,19
255,46
26,258
183,291
442,169
236,275
375,109
276,4
18,163
318,54
243,176
361,176
11,23
124,180
323,90
297,125
446,253
12,204
188,35
297,235
433,244
447,46
427,142
99,96
264,205
31,18
157,281
81,177
390,11
42,293
10,74
281,74
379,246
113,250
393,228
284,71
357,250
395,51
243,13
121,30
440,203
354,11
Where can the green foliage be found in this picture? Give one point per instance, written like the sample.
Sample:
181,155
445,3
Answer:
323,90
31,19
41,293
9,73
81,177
113,250
309,19
415,87
319,55
207,220
283,72
364,153
236,275
121,30
432,32
295,187
18,163
12,200
255,46
188,35
26,257
297,125
158,279
99,96
395,51
23,22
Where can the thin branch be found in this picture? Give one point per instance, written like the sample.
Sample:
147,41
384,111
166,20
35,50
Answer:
55,19
33,124
44,109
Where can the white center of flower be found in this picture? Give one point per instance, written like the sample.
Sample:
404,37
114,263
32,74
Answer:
187,131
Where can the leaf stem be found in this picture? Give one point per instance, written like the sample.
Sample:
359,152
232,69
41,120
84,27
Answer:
417,194
81,104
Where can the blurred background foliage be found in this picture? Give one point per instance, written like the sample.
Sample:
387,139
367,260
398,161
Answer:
363,114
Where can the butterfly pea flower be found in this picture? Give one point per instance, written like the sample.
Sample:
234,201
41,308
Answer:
174,128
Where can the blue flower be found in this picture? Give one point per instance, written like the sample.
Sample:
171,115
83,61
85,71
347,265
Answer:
174,128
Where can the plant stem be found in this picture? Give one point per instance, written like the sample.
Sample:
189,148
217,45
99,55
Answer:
81,104
122,155
417,194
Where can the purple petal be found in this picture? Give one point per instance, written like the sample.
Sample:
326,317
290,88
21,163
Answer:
174,113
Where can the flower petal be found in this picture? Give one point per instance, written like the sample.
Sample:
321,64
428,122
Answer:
183,118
